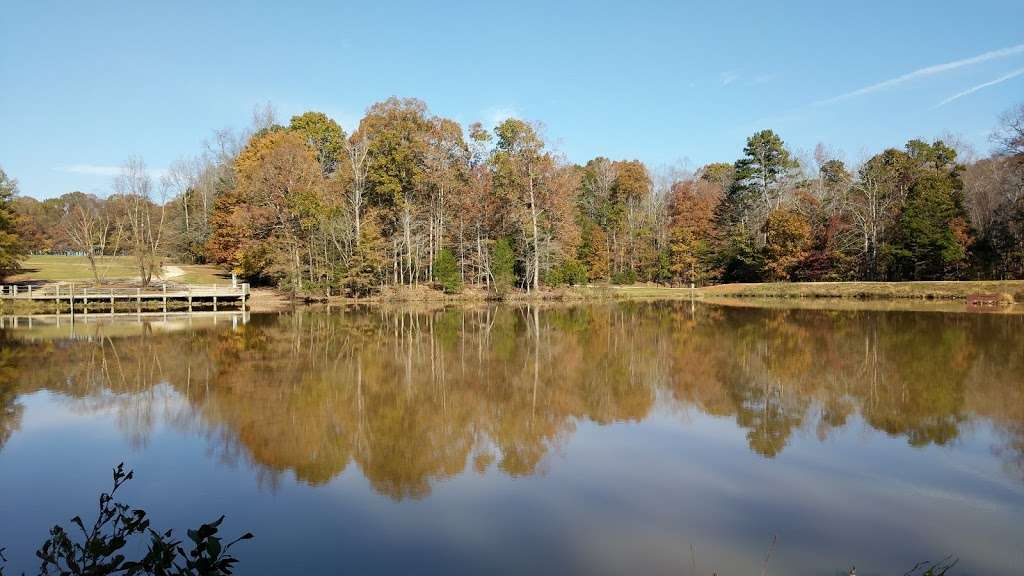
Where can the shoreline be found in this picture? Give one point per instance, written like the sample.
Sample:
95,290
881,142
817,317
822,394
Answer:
952,290
1007,292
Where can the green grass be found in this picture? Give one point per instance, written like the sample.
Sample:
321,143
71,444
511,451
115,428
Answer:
111,269
203,274
946,290
74,269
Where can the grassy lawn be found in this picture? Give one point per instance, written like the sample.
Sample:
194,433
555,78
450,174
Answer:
951,290
203,274
74,269
111,268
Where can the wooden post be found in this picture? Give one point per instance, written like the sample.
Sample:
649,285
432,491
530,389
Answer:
138,300
214,302
245,290
29,291
71,300
111,301
165,298
189,290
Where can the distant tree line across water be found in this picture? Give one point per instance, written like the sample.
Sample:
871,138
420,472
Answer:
413,198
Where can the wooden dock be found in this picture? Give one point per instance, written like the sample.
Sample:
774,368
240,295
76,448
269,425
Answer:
84,296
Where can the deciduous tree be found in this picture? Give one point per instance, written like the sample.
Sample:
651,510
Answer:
141,217
324,136
87,226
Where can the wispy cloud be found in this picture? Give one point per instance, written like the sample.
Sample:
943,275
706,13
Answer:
924,73
103,170
728,77
497,114
974,89
764,78
90,169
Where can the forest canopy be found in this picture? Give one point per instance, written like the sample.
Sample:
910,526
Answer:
410,197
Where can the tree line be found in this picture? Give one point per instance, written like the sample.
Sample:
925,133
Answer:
413,198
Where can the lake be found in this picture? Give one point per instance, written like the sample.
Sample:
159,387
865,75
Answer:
613,438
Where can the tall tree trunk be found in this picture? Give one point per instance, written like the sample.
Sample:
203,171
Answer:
92,264
481,268
358,207
536,238
407,232
297,278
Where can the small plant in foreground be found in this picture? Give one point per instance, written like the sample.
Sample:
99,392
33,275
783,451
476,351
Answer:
98,549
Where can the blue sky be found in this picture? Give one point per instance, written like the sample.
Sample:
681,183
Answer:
88,84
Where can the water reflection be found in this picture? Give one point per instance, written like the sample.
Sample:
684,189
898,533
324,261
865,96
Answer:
413,397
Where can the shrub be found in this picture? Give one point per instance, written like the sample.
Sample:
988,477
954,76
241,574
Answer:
572,272
627,276
446,272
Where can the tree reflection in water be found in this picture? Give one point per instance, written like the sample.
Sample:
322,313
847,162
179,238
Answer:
411,397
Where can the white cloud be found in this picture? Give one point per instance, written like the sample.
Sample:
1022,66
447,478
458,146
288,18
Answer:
104,170
974,89
90,169
924,73
728,78
497,114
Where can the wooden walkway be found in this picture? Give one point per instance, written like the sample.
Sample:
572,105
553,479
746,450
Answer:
83,296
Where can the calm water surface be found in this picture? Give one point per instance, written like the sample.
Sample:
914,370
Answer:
601,439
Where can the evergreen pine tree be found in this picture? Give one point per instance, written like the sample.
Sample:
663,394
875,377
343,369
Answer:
446,272
503,266
12,250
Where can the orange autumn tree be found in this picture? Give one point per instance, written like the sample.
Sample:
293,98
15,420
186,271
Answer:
263,227
789,242
631,191
692,206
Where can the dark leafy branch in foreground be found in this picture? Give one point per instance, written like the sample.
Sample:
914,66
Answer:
939,568
97,550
